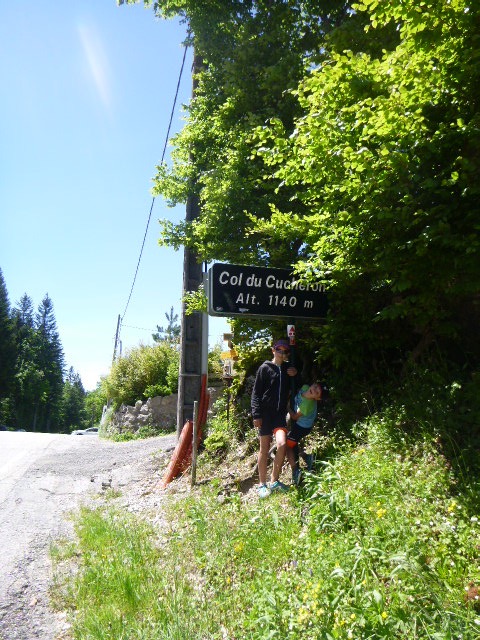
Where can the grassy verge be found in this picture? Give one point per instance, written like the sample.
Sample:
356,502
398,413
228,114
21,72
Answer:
380,542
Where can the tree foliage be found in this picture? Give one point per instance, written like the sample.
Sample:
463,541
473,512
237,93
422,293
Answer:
73,406
384,161
170,333
51,362
35,394
250,54
7,346
143,372
341,140
96,402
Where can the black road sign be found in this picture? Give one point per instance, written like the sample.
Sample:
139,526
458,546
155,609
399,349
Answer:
235,290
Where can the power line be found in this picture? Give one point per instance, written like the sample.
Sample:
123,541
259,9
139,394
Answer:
153,199
128,326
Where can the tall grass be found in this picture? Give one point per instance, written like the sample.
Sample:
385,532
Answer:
380,542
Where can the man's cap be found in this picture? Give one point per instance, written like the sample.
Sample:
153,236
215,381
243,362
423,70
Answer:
282,342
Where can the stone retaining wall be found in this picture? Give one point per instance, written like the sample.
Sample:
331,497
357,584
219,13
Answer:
159,412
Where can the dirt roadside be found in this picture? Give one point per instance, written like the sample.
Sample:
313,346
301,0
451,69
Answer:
36,514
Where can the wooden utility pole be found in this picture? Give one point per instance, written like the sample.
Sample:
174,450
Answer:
193,326
116,340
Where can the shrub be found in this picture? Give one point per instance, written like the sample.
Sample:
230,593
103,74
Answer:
143,372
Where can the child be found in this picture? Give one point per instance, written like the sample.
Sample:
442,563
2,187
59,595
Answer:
269,411
303,415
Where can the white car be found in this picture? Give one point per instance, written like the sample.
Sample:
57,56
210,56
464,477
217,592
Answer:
91,431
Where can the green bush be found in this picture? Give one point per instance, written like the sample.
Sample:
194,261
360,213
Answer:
94,402
144,371
147,431
218,433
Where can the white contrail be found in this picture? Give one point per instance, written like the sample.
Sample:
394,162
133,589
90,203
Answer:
97,62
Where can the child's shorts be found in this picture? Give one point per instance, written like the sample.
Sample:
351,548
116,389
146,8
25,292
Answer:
296,434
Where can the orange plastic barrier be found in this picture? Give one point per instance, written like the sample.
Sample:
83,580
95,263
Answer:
182,455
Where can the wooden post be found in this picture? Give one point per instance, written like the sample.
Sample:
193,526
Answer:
194,443
193,331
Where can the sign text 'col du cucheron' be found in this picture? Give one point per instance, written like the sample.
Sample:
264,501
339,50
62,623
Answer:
262,291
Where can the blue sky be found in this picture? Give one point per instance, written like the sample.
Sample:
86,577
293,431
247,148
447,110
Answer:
87,92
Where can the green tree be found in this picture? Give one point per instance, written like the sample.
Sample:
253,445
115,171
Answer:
341,140
383,164
24,314
39,366
51,362
7,345
29,379
251,53
171,333
95,402
72,414
7,354
143,372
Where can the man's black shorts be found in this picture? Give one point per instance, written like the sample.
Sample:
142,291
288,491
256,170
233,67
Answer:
272,420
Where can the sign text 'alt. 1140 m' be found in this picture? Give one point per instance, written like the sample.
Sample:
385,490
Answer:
235,290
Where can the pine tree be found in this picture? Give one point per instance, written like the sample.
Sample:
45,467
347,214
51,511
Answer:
51,361
72,413
171,333
29,382
7,352
23,312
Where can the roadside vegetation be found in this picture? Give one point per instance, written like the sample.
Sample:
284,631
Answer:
338,140
144,372
379,542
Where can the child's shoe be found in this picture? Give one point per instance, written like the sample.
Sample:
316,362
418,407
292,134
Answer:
263,491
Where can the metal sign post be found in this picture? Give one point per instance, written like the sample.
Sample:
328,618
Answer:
291,339
194,443
228,358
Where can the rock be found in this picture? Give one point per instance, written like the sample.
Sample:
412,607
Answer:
159,412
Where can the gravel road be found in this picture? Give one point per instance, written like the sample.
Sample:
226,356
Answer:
44,477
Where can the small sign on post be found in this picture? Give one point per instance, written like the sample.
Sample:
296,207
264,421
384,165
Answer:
291,334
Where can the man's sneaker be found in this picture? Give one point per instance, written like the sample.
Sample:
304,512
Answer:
310,460
263,491
278,486
296,475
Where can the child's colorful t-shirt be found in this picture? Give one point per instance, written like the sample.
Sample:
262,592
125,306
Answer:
307,407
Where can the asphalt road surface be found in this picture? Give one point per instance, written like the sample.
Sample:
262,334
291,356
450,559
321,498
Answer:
44,477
